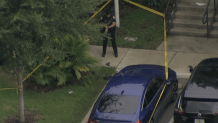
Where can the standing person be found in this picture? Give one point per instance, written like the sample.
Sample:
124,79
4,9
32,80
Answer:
110,22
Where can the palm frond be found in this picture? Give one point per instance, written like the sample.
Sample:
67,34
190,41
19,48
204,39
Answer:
61,77
65,64
78,74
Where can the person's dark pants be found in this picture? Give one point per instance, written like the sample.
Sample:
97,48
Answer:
105,40
1,61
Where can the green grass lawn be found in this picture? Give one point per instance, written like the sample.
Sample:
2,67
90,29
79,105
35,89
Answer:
144,25
57,106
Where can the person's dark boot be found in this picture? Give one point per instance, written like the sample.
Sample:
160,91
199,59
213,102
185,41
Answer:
103,55
116,55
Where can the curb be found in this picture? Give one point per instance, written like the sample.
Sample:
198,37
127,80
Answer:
171,120
183,75
180,86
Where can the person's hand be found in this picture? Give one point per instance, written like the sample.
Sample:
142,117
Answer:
106,28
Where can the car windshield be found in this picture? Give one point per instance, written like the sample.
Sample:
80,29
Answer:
205,107
204,83
206,76
118,104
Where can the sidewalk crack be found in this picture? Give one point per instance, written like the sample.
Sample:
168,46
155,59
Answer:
172,58
122,58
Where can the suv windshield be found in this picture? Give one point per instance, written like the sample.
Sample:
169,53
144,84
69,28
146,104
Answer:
206,75
118,104
204,83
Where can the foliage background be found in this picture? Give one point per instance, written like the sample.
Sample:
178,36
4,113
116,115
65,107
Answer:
32,30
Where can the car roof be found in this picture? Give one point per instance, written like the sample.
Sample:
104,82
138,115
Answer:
204,80
133,84
133,79
141,69
208,62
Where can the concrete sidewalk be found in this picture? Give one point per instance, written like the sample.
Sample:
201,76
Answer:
182,52
177,60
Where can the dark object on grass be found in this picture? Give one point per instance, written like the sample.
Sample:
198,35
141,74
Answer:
108,64
107,77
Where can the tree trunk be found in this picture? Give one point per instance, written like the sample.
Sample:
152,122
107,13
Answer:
21,100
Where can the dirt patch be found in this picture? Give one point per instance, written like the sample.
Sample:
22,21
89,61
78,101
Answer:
30,117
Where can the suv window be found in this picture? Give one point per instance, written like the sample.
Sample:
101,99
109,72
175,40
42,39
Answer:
152,89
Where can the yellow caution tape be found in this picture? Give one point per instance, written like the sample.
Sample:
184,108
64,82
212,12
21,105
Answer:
157,103
7,89
19,87
35,69
165,50
165,35
98,11
146,8
166,67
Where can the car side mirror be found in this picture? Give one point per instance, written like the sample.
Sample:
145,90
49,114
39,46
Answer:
167,82
191,69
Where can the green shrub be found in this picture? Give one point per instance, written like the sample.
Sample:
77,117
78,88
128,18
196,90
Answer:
76,61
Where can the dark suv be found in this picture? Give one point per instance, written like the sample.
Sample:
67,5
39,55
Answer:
198,102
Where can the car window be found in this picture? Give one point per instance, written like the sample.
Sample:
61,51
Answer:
151,91
157,83
118,104
208,106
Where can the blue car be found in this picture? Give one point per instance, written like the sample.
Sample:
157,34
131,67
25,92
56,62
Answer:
131,95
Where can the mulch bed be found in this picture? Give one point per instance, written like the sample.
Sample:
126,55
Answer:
42,88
